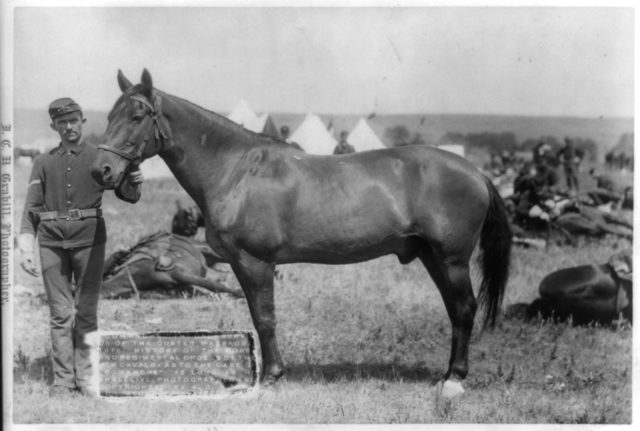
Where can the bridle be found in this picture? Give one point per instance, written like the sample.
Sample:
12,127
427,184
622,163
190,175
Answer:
161,135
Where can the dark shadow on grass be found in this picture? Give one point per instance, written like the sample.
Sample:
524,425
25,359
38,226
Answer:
350,371
40,369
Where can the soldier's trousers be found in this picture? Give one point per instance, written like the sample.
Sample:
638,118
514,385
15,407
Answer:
73,308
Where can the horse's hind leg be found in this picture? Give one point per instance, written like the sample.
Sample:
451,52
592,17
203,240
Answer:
451,276
256,279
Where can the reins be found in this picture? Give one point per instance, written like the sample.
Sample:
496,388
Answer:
155,113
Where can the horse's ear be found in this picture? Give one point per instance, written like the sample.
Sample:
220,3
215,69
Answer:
123,82
147,84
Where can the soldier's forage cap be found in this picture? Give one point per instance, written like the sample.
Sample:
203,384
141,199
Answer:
63,106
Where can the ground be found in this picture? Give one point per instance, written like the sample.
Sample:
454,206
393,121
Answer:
361,343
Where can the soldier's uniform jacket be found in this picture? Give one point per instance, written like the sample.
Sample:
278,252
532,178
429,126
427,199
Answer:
61,181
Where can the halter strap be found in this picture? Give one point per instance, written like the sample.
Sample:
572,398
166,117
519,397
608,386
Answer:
123,154
159,134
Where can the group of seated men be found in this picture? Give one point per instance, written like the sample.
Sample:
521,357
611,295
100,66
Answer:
538,199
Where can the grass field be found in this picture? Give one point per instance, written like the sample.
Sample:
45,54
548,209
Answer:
362,343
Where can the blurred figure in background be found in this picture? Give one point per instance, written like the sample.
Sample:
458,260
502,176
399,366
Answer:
285,134
343,146
606,190
570,160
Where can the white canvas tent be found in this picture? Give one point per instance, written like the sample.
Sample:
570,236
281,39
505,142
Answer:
154,168
243,115
268,126
313,137
362,138
331,128
453,148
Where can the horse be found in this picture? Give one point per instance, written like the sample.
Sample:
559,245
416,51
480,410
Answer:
160,262
265,203
31,153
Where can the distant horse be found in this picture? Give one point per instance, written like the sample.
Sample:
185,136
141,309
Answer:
265,203
160,262
31,153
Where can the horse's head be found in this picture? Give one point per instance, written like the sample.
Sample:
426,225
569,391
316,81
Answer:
136,131
185,221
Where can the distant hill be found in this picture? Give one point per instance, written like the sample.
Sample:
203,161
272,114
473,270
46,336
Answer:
33,126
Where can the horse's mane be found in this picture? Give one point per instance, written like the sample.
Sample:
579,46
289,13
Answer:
225,122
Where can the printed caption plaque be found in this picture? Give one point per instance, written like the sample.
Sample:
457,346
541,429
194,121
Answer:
174,364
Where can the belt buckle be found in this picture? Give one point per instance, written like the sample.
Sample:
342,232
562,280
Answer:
74,214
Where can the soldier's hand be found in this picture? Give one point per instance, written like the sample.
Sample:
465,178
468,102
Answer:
27,258
28,263
135,177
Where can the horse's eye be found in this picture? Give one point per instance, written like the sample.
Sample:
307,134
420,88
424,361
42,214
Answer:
137,118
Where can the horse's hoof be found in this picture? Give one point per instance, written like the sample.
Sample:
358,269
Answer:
269,380
268,393
450,389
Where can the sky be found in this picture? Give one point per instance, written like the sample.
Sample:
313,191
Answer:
539,61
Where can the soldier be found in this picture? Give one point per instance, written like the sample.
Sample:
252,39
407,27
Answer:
570,159
606,189
63,209
284,133
343,146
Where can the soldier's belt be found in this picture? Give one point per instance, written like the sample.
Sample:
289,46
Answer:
74,214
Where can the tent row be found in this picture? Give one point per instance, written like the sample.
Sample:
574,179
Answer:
312,135
243,115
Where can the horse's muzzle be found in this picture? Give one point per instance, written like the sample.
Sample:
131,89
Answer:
105,174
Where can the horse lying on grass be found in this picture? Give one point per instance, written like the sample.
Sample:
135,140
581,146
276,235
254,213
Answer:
161,263
587,293
265,203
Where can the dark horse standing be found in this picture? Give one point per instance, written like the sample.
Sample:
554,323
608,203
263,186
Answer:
265,203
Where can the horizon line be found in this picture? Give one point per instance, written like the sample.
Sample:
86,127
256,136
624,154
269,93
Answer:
388,114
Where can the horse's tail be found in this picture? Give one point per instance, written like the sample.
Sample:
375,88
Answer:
495,242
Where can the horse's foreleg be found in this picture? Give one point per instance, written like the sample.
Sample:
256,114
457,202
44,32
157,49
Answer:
452,279
211,285
256,279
